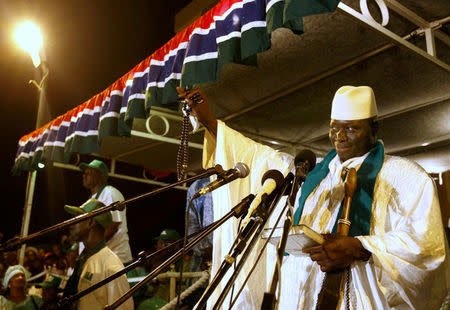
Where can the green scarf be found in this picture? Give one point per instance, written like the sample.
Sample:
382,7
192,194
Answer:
361,207
72,284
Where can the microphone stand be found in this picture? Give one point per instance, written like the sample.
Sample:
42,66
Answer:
269,300
15,242
237,211
256,236
143,258
230,259
245,234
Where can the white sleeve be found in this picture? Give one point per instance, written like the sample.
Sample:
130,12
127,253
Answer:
229,148
110,195
408,244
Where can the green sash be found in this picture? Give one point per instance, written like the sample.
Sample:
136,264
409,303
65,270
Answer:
361,207
72,284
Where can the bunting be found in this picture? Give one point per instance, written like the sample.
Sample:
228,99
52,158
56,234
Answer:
232,31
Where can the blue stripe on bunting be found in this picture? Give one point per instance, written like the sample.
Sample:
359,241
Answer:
200,44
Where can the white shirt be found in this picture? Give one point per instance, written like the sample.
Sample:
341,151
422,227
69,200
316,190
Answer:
119,242
99,266
409,266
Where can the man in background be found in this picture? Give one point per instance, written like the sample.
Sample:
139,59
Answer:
96,262
95,176
200,215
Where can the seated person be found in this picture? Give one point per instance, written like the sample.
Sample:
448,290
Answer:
160,288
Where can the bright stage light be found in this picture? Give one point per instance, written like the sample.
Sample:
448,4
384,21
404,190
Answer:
29,38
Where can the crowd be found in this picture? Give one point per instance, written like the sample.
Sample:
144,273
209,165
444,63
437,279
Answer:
46,268
95,249
35,284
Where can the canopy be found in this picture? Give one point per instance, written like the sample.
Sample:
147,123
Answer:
284,100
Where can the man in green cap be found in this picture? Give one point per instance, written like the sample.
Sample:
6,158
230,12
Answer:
96,262
50,289
95,176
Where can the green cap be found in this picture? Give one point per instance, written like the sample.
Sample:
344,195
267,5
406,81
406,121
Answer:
104,219
97,165
168,234
153,303
51,281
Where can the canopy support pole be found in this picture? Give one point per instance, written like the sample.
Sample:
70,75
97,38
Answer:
121,176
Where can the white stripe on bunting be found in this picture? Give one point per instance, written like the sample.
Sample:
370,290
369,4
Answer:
234,34
255,24
270,3
176,76
109,115
201,57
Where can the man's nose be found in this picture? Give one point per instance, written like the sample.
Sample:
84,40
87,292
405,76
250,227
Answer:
340,135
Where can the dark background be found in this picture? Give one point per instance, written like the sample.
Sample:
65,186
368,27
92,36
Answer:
88,45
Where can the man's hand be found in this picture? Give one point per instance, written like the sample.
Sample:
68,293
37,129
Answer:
337,252
200,106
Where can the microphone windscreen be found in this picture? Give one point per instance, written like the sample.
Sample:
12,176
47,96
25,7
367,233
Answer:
306,155
242,169
275,175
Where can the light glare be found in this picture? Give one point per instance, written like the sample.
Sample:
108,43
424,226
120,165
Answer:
29,38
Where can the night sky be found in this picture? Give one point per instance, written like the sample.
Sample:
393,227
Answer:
89,45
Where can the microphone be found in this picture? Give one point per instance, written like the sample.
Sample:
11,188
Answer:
271,180
305,161
217,169
239,171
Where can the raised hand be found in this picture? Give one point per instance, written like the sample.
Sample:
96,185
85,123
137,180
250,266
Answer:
198,102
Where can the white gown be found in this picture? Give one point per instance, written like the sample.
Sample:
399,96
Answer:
408,269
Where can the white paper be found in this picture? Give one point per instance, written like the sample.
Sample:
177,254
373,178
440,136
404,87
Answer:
296,241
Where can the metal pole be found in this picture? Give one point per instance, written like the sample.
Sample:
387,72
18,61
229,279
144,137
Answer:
42,116
118,205
27,211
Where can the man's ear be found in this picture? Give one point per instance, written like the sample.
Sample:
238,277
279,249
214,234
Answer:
374,128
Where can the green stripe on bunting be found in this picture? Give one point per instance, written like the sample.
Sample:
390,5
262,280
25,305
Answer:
81,144
108,127
135,108
230,51
199,72
53,153
163,97
254,41
26,163
274,17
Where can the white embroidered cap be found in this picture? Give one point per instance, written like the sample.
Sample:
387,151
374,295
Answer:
353,103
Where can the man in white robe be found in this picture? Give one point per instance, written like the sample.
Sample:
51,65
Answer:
401,263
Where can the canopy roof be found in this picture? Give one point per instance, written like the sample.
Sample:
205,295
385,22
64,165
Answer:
285,100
